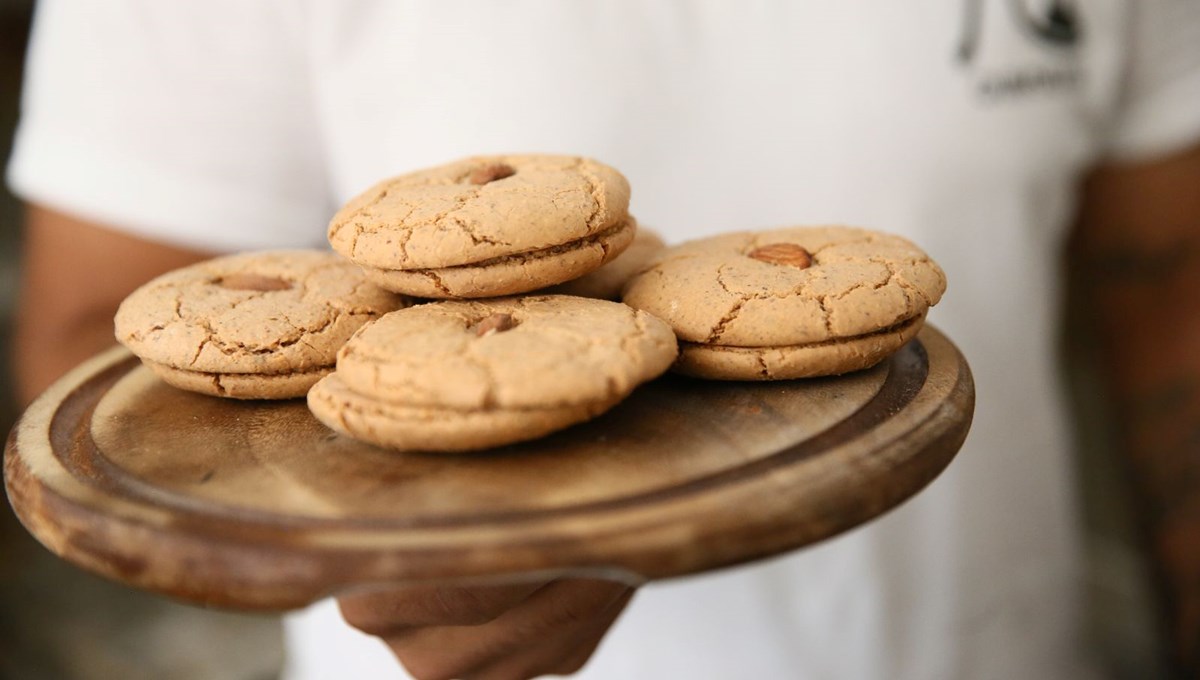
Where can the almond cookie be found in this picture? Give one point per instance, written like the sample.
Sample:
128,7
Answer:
462,375
250,326
487,226
606,282
789,303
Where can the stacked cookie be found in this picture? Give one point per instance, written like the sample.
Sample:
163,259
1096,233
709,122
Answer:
487,226
458,375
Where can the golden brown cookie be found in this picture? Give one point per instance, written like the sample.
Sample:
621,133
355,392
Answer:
487,226
450,376
250,326
789,303
606,282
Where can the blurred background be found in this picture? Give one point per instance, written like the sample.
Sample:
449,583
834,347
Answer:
59,623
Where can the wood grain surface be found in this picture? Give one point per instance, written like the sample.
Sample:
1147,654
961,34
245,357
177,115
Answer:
256,505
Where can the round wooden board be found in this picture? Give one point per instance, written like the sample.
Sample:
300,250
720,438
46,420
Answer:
256,505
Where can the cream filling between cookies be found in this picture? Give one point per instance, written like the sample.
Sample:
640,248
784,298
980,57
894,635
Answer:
890,330
597,238
216,377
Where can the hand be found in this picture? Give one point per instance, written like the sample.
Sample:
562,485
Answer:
510,632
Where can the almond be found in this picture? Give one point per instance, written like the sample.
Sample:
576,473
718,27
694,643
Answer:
491,173
788,254
496,323
256,282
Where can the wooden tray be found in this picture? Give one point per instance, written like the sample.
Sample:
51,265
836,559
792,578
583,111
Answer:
256,505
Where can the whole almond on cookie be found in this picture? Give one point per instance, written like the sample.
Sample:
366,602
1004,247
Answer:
495,323
491,173
788,254
254,282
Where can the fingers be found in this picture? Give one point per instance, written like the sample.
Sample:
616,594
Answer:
554,630
392,612
564,657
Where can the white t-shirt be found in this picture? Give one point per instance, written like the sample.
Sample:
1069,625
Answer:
962,124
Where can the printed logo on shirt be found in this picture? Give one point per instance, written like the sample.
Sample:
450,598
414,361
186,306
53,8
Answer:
1053,24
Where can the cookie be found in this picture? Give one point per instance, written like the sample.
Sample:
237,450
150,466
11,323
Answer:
606,282
789,303
250,326
487,226
462,375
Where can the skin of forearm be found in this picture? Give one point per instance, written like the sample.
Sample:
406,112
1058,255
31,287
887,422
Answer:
74,274
1140,266
1150,340
46,348
1150,335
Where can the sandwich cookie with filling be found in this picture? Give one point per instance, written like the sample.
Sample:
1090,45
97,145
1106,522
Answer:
261,325
487,226
789,303
463,375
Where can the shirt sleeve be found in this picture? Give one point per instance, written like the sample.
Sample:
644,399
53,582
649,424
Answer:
1158,108
187,123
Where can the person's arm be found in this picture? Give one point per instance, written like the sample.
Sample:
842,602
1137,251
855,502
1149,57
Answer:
1139,243
74,273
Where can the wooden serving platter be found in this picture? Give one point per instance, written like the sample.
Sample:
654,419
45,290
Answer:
256,505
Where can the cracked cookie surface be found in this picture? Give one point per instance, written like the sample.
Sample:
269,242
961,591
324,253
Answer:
479,209
485,373
799,292
233,324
